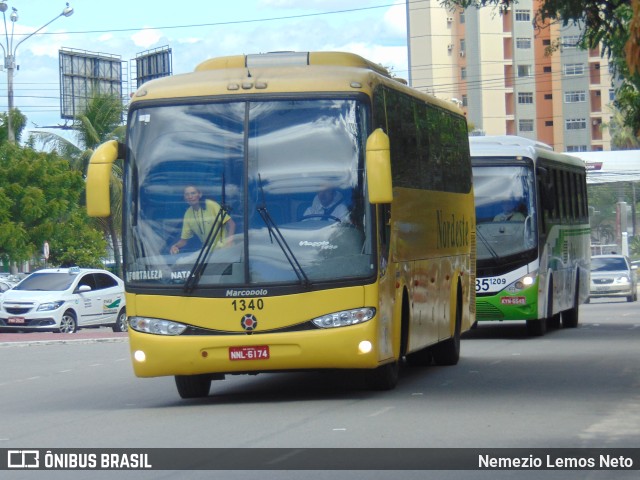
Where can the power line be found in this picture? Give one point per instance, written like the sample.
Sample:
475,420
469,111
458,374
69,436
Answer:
231,22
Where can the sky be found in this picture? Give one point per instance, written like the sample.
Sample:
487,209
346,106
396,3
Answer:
195,30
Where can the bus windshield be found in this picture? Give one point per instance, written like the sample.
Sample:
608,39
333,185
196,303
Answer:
505,210
247,193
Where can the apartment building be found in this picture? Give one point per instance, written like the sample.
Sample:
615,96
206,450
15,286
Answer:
496,68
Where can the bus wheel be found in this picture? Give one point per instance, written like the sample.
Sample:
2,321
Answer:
193,386
537,328
570,318
448,351
384,377
421,358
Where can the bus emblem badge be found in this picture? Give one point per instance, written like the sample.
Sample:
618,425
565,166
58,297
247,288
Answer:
249,322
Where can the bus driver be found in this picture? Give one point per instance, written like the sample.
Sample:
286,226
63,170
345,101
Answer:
199,218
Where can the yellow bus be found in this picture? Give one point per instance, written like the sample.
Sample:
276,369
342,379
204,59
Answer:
291,211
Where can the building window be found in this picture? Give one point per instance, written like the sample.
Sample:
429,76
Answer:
465,101
546,42
576,148
570,41
524,70
463,73
523,42
576,123
525,97
523,16
463,45
548,123
525,125
573,69
548,96
612,94
462,17
577,96
546,69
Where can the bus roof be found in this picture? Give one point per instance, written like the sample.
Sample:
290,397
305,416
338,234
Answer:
501,146
279,72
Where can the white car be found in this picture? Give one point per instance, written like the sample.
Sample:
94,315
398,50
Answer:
64,300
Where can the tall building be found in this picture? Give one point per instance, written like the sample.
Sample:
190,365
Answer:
495,66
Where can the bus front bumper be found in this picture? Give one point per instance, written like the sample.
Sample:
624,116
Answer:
351,347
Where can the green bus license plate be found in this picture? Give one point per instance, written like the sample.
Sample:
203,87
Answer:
259,352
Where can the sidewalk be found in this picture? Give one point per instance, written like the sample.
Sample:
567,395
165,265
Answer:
90,335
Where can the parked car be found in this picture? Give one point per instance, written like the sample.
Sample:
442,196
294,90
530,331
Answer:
613,276
64,300
4,286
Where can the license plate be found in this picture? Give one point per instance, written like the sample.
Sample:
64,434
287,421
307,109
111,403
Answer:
16,320
602,289
259,352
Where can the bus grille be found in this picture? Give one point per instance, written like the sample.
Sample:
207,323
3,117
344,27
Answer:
486,311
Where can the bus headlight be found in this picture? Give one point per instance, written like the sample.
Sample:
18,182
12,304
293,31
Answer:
345,318
156,326
523,282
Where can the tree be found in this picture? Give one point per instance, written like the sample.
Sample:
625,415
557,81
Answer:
18,121
99,122
613,23
622,137
39,200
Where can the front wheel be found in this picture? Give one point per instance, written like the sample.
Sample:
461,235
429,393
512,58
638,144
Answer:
193,386
68,323
384,377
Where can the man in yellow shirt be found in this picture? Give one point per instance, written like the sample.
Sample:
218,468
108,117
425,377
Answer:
198,220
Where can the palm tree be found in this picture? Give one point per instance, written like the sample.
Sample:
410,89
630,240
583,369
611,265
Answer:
100,121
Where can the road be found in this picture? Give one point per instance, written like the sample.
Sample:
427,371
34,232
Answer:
570,388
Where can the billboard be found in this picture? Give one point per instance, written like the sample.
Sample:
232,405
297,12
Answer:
152,64
84,73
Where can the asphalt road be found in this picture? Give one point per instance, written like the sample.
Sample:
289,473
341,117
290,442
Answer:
571,388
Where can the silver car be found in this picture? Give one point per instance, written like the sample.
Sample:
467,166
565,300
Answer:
613,276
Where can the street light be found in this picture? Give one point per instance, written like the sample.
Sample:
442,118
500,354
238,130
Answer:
10,55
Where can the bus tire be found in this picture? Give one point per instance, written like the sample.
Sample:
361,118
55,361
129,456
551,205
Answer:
193,386
385,377
537,327
447,352
421,358
570,318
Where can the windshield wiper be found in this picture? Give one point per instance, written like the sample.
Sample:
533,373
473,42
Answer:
485,242
274,232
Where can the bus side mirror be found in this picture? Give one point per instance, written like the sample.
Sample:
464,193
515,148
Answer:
98,177
378,163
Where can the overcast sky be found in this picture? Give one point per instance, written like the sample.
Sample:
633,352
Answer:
195,30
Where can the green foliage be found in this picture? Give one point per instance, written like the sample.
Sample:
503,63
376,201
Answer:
100,121
40,200
68,248
18,122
